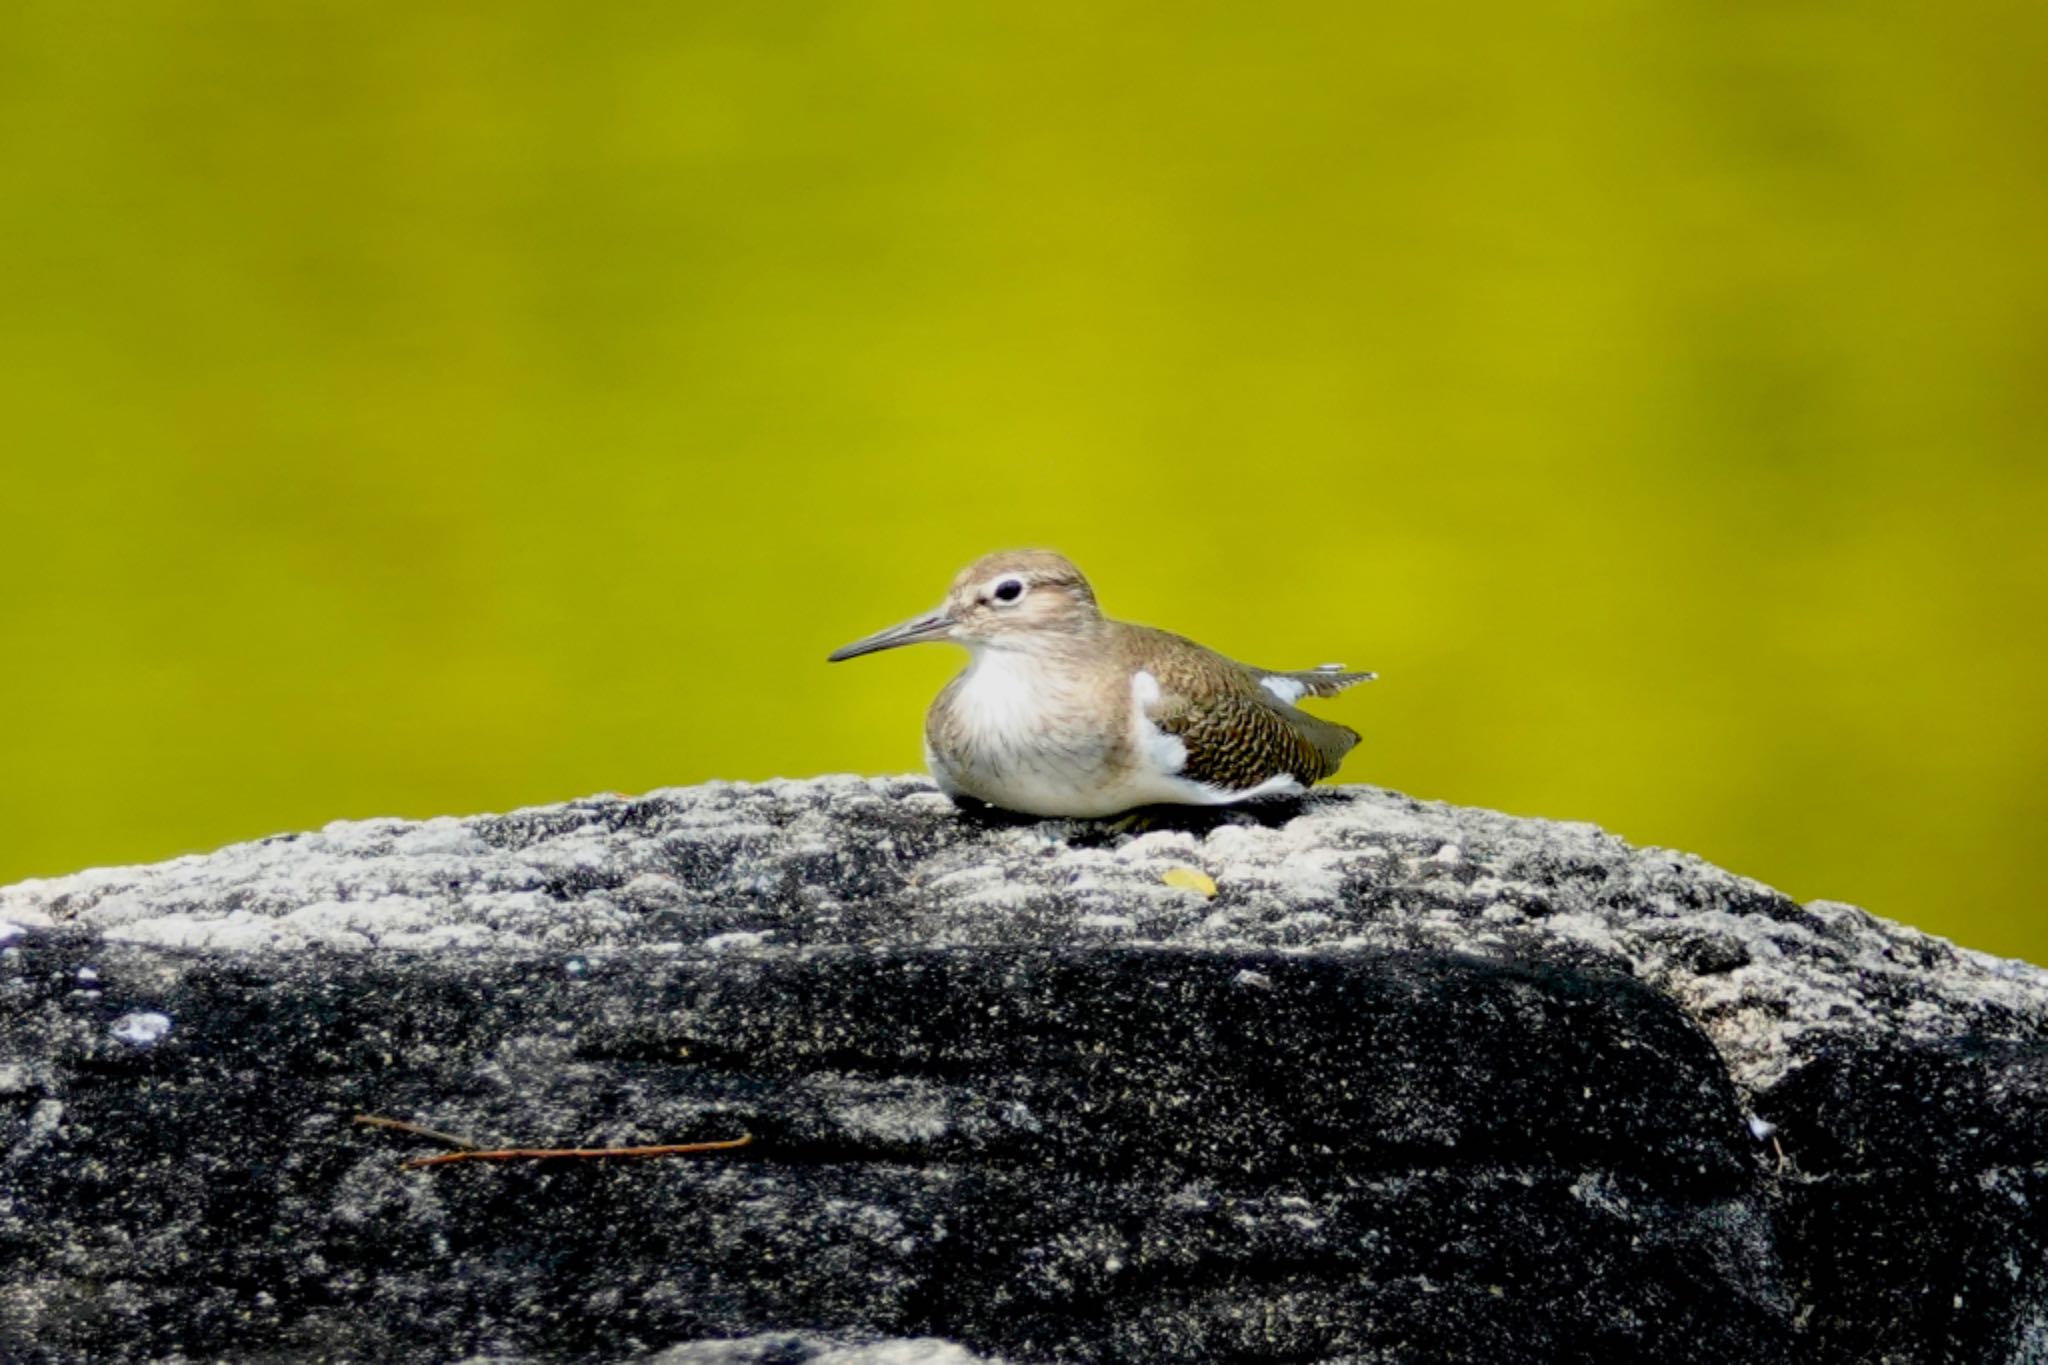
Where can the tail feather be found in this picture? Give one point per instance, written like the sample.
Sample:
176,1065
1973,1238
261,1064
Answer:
1325,681
1332,740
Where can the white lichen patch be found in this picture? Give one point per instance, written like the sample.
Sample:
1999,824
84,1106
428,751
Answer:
144,1028
911,1116
738,939
45,1117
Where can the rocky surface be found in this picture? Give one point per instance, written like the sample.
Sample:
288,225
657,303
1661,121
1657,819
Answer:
1357,1079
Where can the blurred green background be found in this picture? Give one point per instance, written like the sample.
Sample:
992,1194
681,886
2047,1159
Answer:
438,407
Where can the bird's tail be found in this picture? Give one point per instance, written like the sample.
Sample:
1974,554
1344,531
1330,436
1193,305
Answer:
1331,740
1326,680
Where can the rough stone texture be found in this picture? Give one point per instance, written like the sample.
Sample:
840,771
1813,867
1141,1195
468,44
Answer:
1417,1083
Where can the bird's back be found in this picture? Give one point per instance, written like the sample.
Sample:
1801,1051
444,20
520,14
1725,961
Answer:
1239,732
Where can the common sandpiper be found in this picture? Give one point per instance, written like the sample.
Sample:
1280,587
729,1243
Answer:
1062,711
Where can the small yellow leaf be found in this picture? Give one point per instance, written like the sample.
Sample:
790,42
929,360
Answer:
1190,879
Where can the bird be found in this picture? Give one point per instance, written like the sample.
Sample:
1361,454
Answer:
1064,712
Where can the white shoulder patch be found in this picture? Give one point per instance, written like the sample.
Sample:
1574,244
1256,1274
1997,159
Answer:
1163,753
1286,689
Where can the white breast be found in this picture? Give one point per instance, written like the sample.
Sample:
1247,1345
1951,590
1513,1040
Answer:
1006,700
1031,737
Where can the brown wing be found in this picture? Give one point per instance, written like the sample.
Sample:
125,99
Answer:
1237,733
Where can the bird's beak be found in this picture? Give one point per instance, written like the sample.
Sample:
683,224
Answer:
933,625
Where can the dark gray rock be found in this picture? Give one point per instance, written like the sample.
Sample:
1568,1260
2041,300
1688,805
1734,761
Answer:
1417,1083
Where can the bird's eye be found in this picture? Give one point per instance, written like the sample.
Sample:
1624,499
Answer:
1009,590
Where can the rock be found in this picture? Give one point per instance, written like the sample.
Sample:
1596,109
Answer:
1359,1079
782,1348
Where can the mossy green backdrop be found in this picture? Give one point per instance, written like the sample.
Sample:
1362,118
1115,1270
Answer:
427,407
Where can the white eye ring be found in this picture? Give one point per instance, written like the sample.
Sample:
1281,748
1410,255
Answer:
1007,592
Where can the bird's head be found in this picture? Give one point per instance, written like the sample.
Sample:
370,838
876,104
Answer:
1016,599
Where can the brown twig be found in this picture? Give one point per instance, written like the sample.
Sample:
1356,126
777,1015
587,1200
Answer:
549,1153
417,1130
